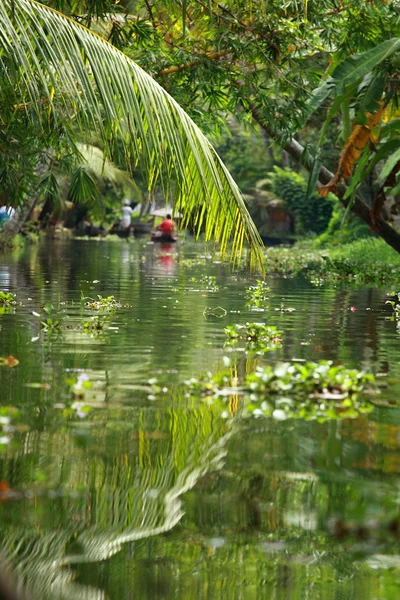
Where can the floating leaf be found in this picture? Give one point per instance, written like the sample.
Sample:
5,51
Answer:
9,361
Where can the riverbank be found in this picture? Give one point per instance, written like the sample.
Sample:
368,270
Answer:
365,261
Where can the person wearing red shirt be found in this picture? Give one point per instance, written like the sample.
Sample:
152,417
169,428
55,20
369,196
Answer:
167,227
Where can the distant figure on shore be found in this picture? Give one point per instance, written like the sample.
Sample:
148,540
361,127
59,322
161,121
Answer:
166,227
125,222
6,213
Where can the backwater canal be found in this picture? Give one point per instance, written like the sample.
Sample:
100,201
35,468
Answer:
109,490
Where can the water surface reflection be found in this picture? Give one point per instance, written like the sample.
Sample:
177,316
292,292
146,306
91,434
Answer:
164,498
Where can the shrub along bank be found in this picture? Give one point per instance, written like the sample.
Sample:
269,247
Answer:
365,261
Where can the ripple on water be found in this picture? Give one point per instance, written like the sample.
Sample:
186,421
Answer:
113,490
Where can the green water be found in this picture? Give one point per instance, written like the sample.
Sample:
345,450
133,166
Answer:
146,497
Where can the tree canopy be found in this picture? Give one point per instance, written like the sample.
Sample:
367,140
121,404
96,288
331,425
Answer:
320,78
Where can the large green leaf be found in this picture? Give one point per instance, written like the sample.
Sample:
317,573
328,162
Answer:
68,72
383,151
372,96
355,67
352,69
389,166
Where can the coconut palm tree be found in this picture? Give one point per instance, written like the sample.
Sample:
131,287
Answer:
62,72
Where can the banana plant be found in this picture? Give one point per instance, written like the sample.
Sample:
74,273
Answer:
363,89
63,72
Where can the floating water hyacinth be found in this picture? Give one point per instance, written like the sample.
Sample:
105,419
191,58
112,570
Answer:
258,295
309,390
257,337
7,299
103,303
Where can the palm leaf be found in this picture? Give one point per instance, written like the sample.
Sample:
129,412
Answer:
102,168
71,73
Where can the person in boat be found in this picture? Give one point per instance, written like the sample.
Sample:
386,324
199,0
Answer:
125,222
166,228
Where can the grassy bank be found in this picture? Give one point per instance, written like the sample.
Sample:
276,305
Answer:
365,261
18,241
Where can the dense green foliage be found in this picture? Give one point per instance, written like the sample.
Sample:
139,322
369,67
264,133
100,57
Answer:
312,212
284,67
363,261
343,228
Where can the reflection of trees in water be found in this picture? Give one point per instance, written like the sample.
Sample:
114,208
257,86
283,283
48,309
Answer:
134,492
124,478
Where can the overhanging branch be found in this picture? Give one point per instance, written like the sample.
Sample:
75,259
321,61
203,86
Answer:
192,63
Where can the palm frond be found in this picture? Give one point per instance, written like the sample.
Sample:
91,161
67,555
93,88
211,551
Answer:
102,168
68,71
83,190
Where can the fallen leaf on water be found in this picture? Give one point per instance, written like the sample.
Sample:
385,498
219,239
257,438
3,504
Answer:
38,386
9,361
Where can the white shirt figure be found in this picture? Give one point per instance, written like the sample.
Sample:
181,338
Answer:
9,210
126,215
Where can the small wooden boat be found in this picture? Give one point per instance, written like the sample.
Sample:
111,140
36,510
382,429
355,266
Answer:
159,236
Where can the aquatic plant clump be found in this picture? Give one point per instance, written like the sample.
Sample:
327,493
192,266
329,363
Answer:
95,325
309,390
257,337
7,302
48,322
320,380
395,304
105,304
258,295
7,299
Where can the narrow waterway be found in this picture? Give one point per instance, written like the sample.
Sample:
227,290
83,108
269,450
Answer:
108,490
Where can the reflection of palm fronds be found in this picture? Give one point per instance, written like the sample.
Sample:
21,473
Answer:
152,516
125,504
